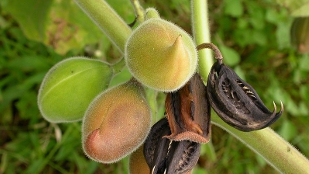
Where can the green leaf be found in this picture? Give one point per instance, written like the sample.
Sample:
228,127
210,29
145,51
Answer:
69,28
231,57
31,16
59,24
70,86
288,130
233,8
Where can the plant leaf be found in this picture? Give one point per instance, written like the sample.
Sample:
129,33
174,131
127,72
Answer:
31,16
60,24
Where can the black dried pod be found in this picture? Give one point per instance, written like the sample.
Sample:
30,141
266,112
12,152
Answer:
183,156
236,102
156,147
170,157
188,112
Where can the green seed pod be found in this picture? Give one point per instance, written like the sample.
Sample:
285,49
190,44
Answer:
116,123
161,55
300,34
70,86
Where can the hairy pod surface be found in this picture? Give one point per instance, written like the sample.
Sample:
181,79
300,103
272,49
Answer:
161,55
188,112
70,86
171,157
116,123
236,102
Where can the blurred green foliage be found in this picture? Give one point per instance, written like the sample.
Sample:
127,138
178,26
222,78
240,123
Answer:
253,36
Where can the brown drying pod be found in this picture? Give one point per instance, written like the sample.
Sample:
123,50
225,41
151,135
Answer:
165,156
188,112
236,102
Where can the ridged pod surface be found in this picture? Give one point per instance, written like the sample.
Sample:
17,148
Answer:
170,157
236,102
70,86
116,123
161,55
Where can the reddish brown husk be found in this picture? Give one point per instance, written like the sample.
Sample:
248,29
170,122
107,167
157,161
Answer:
188,112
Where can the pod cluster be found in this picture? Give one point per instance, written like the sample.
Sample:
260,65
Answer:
173,144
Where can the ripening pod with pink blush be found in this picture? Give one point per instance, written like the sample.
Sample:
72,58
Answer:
161,55
116,123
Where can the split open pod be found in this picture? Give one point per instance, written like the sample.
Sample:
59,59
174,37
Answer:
188,112
170,157
236,102
116,123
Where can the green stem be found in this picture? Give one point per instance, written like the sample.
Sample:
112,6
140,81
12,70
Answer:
274,149
107,20
201,33
139,11
267,143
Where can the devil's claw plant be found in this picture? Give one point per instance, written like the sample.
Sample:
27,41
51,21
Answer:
160,55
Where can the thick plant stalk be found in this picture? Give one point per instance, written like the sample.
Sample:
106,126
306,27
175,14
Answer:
107,20
274,149
200,26
267,143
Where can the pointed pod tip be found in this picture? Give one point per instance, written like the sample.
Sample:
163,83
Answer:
281,109
153,169
276,114
179,42
275,107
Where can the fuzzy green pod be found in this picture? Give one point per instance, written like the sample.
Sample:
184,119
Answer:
161,55
116,123
70,86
